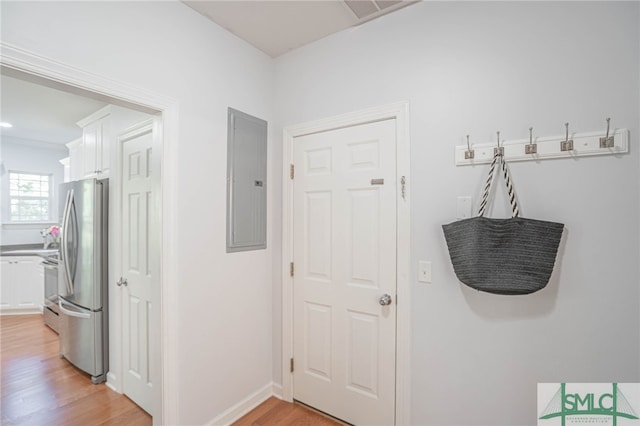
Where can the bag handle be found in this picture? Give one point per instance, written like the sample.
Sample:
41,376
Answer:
507,179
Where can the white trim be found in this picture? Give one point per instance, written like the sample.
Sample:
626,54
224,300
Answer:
399,112
116,319
23,61
74,143
112,382
101,113
16,58
22,142
403,261
276,390
21,311
243,407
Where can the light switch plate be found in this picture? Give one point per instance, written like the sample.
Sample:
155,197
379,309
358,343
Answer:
424,271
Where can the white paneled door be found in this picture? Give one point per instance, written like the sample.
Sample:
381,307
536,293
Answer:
137,279
344,285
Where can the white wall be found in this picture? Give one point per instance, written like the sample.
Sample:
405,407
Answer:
475,68
223,309
35,157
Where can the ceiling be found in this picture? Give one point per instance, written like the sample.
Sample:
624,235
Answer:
277,26
45,114
42,114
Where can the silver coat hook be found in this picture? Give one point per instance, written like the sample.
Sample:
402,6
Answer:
500,149
607,141
531,148
566,144
469,153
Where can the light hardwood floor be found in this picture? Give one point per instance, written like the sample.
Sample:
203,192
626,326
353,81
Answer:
37,387
276,412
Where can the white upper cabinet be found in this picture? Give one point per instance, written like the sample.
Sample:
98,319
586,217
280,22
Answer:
96,144
91,155
75,160
66,163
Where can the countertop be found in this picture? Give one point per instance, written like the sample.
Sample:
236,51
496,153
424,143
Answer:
27,250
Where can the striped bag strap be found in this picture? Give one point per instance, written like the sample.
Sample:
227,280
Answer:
511,192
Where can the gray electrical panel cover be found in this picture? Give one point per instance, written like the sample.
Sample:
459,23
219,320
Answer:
246,182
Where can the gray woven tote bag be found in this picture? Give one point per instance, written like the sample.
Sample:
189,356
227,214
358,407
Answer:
503,256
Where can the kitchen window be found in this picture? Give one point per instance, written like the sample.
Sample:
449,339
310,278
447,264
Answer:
30,197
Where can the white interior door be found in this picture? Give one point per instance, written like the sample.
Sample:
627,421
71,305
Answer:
344,202
137,278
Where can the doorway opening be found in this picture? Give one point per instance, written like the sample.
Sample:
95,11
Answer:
20,64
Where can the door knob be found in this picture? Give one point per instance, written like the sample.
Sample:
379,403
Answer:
122,281
384,300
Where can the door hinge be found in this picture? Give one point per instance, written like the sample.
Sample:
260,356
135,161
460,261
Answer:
291,365
292,171
291,268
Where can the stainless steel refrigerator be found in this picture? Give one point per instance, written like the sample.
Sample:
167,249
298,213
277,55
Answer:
83,276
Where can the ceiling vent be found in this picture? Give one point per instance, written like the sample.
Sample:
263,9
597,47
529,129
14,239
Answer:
366,10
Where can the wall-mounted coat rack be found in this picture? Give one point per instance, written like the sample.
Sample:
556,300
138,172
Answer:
540,148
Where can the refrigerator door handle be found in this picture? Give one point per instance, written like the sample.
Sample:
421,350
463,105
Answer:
65,241
71,313
73,219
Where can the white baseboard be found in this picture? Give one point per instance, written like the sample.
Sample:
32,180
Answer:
22,311
276,390
246,405
112,382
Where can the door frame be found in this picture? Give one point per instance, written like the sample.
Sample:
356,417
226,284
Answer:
399,112
164,336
